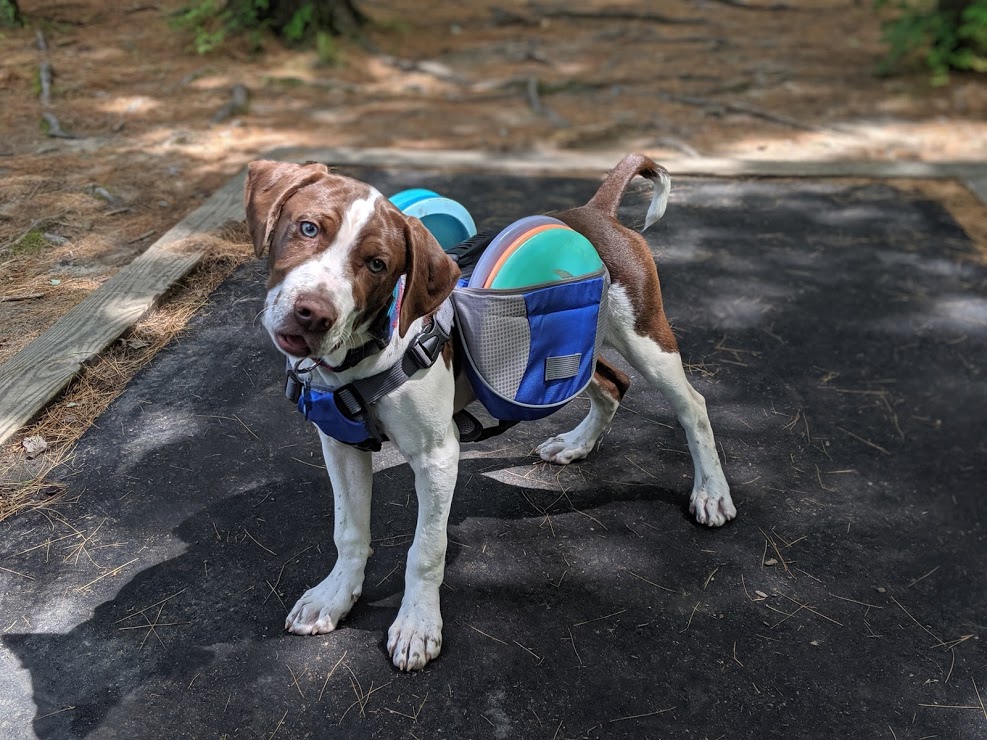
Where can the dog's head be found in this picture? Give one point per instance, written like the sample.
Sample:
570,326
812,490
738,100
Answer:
337,249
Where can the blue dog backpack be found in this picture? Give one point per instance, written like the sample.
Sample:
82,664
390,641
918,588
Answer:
528,350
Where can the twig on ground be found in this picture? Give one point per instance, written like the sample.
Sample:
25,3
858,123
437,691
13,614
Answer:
572,640
329,675
20,297
477,629
55,129
619,15
923,577
689,623
744,5
656,585
867,442
598,619
294,680
278,727
45,77
530,651
926,629
639,716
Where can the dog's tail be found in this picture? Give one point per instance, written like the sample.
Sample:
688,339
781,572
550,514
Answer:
608,197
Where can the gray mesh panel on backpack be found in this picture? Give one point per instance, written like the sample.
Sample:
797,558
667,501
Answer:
495,327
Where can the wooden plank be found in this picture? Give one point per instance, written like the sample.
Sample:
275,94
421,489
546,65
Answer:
37,373
978,186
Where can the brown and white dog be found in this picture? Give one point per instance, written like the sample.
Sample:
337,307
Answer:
337,249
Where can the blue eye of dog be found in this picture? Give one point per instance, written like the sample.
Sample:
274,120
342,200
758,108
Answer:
308,229
376,265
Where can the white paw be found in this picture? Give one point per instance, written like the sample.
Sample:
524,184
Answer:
322,608
565,448
712,505
415,637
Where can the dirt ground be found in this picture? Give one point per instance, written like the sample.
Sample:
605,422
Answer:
760,79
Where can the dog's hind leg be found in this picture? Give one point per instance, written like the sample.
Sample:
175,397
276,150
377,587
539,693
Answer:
662,368
605,392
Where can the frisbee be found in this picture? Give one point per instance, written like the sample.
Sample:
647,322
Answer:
513,246
501,242
549,256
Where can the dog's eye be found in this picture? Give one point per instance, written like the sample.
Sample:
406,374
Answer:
376,265
308,229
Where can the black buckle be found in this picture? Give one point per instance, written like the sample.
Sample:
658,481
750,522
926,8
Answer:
293,385
427,347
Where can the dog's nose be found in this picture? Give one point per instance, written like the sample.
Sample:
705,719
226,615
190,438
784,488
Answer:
314,313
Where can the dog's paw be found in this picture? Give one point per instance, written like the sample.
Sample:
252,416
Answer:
415,637
712,505
565,448
322,608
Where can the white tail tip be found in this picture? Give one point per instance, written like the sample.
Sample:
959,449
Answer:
659,198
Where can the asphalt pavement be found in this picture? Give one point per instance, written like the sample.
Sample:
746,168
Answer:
839,334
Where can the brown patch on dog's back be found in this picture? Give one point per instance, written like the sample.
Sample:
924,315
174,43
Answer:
632,266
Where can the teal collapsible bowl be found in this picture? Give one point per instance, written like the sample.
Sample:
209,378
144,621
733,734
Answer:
407,197
448,221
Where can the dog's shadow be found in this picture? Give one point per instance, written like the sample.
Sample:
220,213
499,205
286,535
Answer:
220,605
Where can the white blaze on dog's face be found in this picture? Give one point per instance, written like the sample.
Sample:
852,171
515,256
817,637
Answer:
337,249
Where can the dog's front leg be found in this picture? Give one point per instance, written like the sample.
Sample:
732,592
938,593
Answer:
416,635
320,609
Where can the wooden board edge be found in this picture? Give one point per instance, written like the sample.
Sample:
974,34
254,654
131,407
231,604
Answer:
41,370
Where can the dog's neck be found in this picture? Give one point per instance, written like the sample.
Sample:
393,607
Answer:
384,343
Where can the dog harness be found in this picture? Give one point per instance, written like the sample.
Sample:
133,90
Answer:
345,413
527,353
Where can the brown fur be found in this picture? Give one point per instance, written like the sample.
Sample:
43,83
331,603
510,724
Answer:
625,252
431,274
612,380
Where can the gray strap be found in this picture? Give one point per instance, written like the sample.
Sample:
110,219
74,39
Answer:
421,354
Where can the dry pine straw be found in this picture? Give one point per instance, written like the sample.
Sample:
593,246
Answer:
25,487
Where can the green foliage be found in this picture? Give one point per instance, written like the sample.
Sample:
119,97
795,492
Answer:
944,35
31,243
208,20
296,28
326,48
211,22
10,14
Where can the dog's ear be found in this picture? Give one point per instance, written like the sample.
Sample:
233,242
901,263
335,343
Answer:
269,185
431,274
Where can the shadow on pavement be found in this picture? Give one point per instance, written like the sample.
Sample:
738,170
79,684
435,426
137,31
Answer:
838,334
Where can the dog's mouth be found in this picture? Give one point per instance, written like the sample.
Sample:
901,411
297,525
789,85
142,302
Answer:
298,346
293,344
